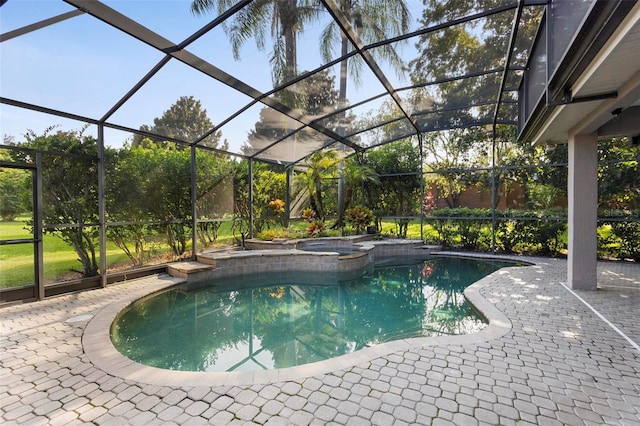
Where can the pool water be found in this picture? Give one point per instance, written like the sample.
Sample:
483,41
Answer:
287,319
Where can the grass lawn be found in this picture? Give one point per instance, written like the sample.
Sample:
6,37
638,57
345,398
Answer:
60,261
16,261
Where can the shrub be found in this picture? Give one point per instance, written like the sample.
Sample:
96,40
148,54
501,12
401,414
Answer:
621,240
470,228
629,235
359,218
271,234
460,224
533,231
536,232
309,214
316,228
507,235
517,231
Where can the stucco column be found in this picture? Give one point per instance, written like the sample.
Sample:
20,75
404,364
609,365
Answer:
583,202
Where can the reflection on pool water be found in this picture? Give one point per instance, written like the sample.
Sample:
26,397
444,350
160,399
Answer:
287,319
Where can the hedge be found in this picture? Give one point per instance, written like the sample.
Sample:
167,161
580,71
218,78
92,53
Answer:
532,232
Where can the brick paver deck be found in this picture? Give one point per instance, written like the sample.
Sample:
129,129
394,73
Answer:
560,363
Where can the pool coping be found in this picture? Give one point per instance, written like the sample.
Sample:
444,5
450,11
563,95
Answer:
97,345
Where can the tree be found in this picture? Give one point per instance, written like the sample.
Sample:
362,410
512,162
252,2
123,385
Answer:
154,185
355,175
151,183
127,200
372,20
15,190
269,186
473,47
319,165
70,189
534,168
316,97
478,45
619,174
397,165
185,120
449,154
171,187
162,172
282,18
515,163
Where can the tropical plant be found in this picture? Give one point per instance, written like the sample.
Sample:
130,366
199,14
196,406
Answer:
372,21
359,218
316,228
319,165
276,211
428,202
355,176
308,214
269,189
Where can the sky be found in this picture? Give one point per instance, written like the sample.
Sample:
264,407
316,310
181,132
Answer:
84,66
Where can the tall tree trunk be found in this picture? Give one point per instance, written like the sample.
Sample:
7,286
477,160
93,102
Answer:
290,39
318,190
288,19
342,118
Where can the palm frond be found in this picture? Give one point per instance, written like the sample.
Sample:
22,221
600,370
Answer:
329,38
246,24
278,62
200,7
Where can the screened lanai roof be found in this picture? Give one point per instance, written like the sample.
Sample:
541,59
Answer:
270,94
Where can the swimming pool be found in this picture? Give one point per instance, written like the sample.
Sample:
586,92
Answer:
279,320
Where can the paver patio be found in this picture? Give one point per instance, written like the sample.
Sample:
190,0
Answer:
559,364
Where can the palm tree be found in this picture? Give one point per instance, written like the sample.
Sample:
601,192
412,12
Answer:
354,175
319,165
283,18
372,20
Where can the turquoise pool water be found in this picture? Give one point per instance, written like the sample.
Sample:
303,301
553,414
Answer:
269,321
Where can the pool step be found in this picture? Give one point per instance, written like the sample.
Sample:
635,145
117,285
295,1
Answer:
184,269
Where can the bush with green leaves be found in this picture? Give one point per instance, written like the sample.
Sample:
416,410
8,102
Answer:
620,234
70,189
14,183
517,231
539,231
